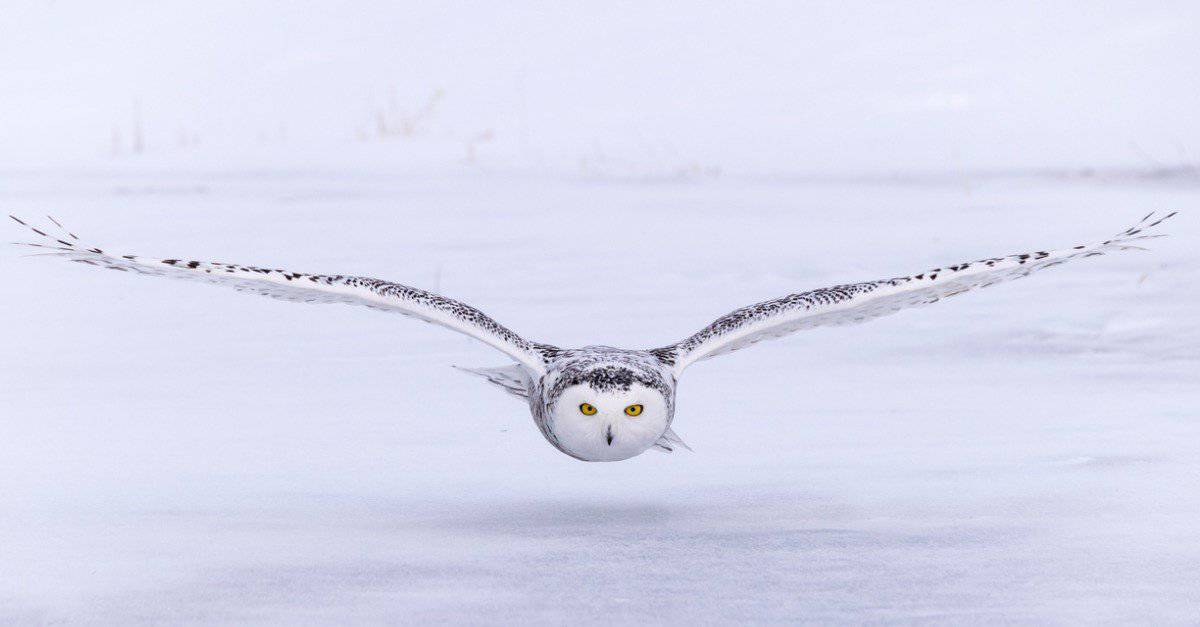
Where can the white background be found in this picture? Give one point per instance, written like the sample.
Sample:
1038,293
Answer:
600,174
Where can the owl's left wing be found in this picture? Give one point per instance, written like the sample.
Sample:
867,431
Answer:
307,288
858,302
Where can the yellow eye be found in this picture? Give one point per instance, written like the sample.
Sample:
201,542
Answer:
587,409
633,410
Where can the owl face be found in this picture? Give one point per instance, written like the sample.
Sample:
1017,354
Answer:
608,424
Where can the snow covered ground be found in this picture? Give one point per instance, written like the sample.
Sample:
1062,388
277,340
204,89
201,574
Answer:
600,173
179,453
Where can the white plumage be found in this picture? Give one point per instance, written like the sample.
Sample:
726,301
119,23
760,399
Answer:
601,403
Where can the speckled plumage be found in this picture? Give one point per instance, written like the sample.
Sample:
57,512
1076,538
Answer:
544,374
857,302
604,369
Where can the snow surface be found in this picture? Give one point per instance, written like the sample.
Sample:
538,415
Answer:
180,453
600,173
668,86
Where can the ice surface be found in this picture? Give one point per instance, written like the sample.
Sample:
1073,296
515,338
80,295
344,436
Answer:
179,453
600,173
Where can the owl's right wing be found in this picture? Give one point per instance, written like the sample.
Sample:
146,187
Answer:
308,288
858,302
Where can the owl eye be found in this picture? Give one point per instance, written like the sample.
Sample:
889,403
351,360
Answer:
633,410
587,409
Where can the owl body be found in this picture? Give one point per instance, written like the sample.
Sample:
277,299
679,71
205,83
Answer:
600,403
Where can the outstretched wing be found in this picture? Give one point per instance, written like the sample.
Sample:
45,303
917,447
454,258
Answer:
858,302
307,288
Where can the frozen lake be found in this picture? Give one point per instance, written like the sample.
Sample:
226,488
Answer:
185,454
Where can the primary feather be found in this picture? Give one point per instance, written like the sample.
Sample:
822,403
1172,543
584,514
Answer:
303,287
858,302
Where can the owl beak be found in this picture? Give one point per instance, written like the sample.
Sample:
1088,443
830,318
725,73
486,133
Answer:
608,435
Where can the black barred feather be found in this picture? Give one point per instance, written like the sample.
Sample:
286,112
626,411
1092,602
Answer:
858,302
303,287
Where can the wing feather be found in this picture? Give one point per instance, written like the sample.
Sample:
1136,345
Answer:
858,302
303,287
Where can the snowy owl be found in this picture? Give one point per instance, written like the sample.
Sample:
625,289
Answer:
599,403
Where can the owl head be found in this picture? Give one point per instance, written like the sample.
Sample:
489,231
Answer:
609,412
